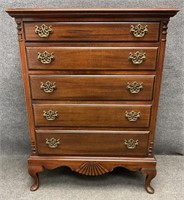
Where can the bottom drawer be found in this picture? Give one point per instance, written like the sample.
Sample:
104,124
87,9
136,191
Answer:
93,143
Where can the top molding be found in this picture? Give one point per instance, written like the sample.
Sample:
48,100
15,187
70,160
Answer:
90,13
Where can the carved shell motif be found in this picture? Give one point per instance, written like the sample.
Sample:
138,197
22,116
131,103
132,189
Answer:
91,168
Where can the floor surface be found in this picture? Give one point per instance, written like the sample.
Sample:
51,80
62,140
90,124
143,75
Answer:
62,184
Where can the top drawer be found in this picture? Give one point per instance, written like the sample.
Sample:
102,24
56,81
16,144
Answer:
91,31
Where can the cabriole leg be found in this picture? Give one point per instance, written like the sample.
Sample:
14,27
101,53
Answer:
33,171
150,174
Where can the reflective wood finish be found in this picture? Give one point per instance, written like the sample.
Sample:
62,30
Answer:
92,143
92,115
91,31
93,87
92,81
92,58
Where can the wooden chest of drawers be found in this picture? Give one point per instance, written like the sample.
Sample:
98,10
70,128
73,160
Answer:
92,81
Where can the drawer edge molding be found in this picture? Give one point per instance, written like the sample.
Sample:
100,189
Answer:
91,58
92,115
116,143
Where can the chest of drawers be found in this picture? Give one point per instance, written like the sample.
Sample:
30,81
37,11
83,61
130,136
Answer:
92,82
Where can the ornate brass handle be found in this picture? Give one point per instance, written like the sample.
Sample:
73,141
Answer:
52,143
134,87
45,57
137,58
43,31
50,115
138,31
132,116
131,144
48,87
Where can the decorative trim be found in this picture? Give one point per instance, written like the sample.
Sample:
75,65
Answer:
131,143
134,87
137,58
91,168
87,14
132,116
50,115
52,142
48,87
33,146
164,30
45,57
19,29
150,149
138,30
43,31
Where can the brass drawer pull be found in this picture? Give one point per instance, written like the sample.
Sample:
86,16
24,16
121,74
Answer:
50,115
134,87
43,31
139,30
131,144
48,87
45,57
52,143
132,116
137,58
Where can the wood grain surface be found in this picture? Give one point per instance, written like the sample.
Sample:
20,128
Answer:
92,143
93,87
92,58
91,31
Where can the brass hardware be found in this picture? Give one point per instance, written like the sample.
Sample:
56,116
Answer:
50,115
131,144
43,31
52,143
134,87
45,57
132,116
138,31
137,58
48,87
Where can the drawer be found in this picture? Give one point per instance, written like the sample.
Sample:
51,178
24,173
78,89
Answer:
93,143
91,31
92,115
92,87
92,58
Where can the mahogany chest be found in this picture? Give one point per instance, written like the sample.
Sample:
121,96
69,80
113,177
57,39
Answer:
92,81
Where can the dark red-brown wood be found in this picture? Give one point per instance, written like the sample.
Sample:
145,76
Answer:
92,115
83,31
91,87
89,44
92,143
92,58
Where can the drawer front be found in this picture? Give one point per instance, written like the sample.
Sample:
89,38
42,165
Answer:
92,87
92,58
93,143
91,31
92,115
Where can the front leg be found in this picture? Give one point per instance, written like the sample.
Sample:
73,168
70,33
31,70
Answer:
33,171
151,173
